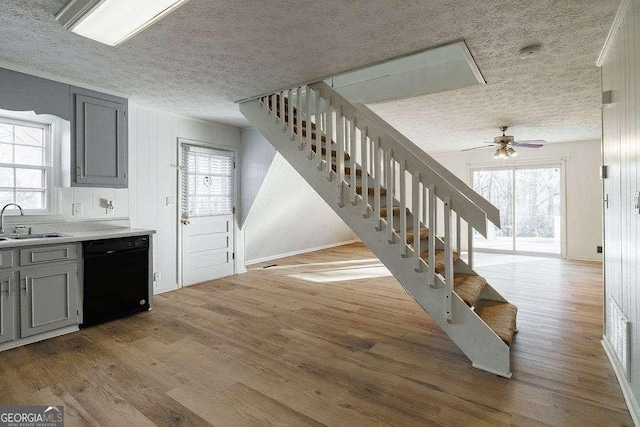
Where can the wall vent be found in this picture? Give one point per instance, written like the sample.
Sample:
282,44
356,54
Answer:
617,334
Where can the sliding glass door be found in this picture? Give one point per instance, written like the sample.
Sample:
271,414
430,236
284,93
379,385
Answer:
530,203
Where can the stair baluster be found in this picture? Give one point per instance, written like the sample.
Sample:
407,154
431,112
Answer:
403,206
433,229
448,259
340,125
376,186
389,184
329,118
470,245
415,208
364,144
352,162
458,234
307,110
321,127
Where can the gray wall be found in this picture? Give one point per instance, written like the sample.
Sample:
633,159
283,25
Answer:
257,155
621,148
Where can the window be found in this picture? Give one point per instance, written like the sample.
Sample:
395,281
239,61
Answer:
207,181
530,203
25,164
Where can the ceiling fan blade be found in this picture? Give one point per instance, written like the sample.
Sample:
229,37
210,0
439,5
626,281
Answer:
476,148
536,143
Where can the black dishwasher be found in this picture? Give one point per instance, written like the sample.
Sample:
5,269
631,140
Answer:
116,278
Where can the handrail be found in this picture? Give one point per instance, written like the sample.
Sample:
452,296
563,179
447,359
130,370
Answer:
415,160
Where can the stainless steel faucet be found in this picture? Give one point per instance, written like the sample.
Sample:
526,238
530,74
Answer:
2,215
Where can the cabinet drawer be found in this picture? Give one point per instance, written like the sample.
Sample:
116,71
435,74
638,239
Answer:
6,259
45,254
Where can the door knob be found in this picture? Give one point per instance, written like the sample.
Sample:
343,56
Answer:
186,221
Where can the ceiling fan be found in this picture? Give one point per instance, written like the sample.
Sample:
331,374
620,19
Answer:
506,144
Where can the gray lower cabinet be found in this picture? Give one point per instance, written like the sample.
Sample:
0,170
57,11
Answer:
99,139
48,298
7,307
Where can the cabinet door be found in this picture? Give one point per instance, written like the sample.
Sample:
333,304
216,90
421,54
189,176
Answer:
8,293
48,298
100,137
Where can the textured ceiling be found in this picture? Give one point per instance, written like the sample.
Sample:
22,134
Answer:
209,53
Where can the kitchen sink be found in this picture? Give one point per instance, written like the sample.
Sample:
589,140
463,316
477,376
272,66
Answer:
32,236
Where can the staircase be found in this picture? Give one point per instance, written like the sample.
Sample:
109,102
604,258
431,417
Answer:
407,208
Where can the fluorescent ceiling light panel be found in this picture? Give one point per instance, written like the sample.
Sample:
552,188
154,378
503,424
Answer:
113,21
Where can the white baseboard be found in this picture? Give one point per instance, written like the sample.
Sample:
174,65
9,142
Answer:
599,259
632,403
159,291
299,252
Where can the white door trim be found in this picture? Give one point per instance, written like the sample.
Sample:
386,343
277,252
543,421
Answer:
237,267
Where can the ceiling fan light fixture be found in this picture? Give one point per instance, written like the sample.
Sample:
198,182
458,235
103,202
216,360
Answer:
113,21
496,155
511,152
503,153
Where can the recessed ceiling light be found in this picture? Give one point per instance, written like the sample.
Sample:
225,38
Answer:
113,21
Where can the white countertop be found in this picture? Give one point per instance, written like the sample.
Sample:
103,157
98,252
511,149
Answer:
77,236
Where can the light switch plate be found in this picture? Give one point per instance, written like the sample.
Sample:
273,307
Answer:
77,209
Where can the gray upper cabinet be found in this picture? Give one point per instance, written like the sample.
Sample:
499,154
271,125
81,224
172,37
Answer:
7,307
48,298
99,140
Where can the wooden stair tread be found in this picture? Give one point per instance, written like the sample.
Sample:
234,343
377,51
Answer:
323,151
440,264
424,233
371,192
347,170
468,287
396,211
500,317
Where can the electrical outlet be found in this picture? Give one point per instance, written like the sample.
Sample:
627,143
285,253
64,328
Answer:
157,276
171,201
77,209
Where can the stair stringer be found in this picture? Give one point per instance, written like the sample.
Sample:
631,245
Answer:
476,340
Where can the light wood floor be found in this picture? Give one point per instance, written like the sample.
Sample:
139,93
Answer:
320,340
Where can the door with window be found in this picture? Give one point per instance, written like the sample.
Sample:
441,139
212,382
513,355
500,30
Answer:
530,202
207,217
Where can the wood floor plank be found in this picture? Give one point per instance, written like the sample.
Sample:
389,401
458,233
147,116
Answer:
329,338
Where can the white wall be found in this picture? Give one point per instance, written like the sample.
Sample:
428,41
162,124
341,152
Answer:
257,155
583,187
153,176
621,147
288,216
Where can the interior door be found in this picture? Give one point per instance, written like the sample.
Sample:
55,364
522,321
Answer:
207,219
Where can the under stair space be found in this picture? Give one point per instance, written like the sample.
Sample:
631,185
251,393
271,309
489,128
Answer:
394,197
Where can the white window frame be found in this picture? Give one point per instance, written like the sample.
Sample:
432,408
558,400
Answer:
530,164
47,167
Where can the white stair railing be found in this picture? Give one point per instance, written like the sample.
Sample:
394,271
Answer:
393,167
